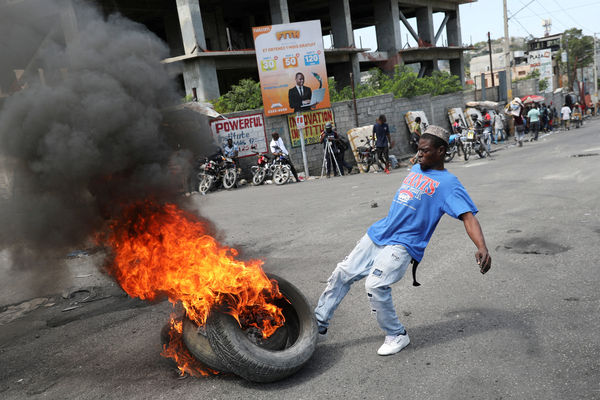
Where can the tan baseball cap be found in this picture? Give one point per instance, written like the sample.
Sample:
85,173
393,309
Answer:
438,131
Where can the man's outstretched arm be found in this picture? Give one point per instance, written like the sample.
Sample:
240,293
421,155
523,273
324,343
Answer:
482,256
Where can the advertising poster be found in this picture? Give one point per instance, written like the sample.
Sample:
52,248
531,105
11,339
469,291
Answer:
247,132
314,124
291,67
541,60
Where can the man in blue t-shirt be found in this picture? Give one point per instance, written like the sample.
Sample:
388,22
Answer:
390,244
381,136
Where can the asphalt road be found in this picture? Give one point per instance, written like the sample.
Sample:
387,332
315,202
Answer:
526,330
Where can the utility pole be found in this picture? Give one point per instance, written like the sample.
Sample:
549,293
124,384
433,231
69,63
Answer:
507,57
569,82
595,71
491,66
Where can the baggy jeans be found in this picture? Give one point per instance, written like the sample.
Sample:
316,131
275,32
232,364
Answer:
382,266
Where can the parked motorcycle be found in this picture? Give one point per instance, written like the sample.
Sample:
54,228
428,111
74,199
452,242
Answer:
480,145
455,146
277,168
215,172
367,156
261,169
468,142
280,169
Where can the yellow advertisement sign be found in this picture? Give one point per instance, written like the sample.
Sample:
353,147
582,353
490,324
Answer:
291,67
314,124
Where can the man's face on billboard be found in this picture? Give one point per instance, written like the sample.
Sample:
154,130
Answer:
299,80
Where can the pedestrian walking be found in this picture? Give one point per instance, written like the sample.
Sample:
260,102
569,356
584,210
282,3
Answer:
565,113
381,136
500,136
383,254
519,123
534,121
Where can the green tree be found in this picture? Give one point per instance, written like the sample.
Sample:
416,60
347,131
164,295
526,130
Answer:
243,96
403,83
580,50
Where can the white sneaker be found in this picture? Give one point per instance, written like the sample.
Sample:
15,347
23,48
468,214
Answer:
393,344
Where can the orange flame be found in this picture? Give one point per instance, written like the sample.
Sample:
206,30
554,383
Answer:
176,350
161,250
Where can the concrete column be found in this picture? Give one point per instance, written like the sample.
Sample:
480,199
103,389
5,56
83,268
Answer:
343,36
453,28
425,24
483,85
502,88
192,29
173,34
279,12
341,23
387,26
427,68
457,67
200,73
341,72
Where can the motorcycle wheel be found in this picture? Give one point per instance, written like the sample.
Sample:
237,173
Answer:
259,176
205,184
467,152
252,361
363,165
281,175
229,178
481,151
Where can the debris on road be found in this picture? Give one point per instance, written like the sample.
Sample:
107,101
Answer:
13,312
70,308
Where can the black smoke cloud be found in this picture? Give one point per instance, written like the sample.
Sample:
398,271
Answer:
92,136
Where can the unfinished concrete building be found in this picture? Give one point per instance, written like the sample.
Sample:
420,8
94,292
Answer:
212,40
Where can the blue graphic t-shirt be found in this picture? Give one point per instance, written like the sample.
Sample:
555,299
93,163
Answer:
418,206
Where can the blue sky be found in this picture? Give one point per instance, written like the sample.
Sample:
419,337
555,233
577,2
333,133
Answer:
486,15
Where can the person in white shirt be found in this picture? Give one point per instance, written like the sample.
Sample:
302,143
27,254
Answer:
565,112
278,149
499,128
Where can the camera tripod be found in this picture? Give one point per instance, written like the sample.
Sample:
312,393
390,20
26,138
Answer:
328,152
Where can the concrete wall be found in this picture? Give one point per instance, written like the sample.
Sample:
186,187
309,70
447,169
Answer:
369,108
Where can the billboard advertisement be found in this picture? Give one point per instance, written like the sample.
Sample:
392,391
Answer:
541,60
247,133
314,124
291,67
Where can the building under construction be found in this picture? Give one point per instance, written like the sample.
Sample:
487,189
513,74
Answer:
212,39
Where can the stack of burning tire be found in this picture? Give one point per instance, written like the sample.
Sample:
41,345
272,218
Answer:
222,345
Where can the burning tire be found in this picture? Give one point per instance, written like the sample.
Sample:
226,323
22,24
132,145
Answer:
253,360
197,343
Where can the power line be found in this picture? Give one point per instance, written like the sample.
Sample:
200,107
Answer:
565,26
521,9
596,3
569,15
517,21
559,21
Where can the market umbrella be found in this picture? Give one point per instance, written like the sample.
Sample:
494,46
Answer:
534,98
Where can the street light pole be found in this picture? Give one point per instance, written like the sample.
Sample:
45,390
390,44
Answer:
507,53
